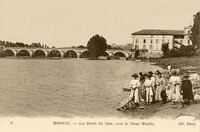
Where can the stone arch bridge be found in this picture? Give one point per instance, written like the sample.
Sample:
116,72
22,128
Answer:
63,51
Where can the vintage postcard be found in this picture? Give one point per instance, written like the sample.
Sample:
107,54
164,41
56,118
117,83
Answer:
100,65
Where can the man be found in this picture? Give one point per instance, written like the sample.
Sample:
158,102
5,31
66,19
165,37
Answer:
169,68
186,90
175,86
134,86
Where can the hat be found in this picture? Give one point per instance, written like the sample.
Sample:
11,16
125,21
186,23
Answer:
186,75
157,71
150,72
174,72
149,75
134,75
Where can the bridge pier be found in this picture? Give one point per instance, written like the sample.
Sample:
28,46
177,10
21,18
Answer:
15,53
62,54
78,54
46,54
31,53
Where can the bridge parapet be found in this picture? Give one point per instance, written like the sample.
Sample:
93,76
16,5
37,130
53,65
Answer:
63,51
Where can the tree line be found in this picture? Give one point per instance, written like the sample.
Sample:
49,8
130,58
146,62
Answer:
189,50
20,44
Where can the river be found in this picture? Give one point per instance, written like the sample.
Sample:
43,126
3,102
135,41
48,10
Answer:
65,87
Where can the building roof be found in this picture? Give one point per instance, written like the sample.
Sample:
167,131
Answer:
159,32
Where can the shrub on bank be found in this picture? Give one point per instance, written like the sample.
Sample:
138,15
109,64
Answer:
178,62
183,51
2,54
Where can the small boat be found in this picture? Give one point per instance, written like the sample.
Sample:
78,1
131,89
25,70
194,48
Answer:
137,60
126,89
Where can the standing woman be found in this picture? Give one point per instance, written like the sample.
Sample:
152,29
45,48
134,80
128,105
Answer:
175,86
149,89
160,86
186,90
134,86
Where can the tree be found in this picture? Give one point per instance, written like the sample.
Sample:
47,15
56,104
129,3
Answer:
109,47
81,46
137,53
195,35
165,48
97,46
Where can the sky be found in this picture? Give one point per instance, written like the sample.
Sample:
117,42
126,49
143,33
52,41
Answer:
64,23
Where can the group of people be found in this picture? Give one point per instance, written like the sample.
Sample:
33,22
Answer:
153,88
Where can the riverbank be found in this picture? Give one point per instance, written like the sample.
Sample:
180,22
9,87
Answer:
169,110
182,63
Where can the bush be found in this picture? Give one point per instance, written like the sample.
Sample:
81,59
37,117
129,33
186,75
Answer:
183,51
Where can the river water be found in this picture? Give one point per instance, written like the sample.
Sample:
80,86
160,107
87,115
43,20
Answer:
65,87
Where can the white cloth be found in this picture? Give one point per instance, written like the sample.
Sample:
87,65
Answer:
134,84
174,80
160,86
169,68
148,82
149,92
175,87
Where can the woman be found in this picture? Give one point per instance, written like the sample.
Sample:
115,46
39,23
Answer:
175,86
134,86
186,90
149,89
160,86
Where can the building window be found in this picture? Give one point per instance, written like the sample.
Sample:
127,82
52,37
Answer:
188,41
158,53
151,41
136,41
144,41
168,41
144,46
156,47
157,41
151,47
181,41
136,47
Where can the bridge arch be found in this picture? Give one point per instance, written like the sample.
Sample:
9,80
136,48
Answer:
23,52
85,54
105,54
70,54
9,52
38,53
54,53
119,54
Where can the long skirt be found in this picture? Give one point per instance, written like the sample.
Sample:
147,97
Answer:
149,94
158,92
135,94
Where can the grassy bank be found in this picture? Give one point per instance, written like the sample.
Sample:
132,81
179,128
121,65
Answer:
183,63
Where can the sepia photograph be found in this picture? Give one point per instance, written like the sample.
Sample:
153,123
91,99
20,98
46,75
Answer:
100,65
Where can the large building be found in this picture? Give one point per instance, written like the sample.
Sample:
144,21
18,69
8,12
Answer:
149,41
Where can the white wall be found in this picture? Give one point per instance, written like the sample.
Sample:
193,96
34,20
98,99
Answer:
155,40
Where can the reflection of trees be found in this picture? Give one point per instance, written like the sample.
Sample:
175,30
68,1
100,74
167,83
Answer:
119,54
23,53
38,53
54,53
86,54
8,53
70,54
